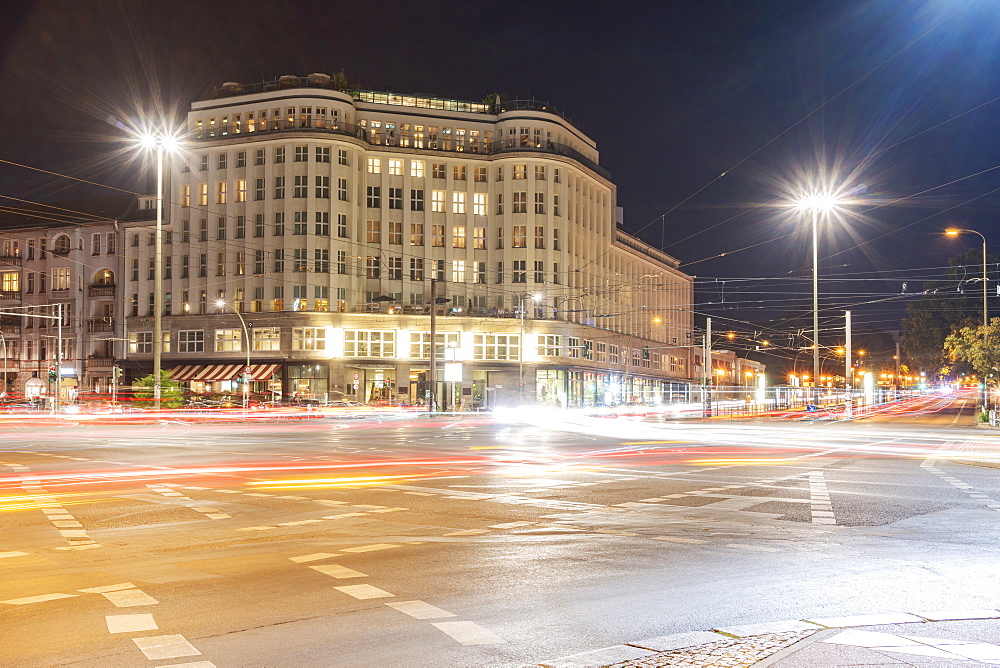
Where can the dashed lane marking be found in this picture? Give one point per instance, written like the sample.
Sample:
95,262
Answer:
41,598
420,610
819,496
468,633
130,623
192,664
7,555
370,548
989,502
314,557
129,598
210,513
364,591
62,520
165,647
106,588
337,571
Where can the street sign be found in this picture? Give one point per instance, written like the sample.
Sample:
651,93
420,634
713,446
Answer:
356,376
248,371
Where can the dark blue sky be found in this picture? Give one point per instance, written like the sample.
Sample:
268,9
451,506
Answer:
769,92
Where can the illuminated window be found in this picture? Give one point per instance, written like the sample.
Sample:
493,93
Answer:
480,174
11,281
520,236
437,236
395,233
458,202
479,238
369,343
479,204
186,196
395,167
458,271
539,172
374,165
550,345
203,194
458,237
241,190
417,168
416,234
438,171
520,202
267,338
373,232
308,338
520,172
496,346
420,343
437,201
228,340
459,172
61,278
539,236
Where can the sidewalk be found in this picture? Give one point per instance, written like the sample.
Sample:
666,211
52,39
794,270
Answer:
935,639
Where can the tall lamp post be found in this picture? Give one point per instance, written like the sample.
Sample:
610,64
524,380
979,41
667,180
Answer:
246,338
986,315
162,143
816,204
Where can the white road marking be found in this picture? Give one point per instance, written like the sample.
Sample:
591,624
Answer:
759,548
338,571
41,598
468,532
165,647
369,548
420,610
364,591
330,502
822,509
5,555
972,492
129,598
192,664
963,650
511,525
313,557
674,539
107,588
468,633
130,623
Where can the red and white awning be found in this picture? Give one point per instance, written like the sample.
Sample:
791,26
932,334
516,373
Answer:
204,373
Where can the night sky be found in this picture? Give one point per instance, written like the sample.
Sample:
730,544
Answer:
708,114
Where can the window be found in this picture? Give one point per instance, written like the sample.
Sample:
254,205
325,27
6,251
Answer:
520,172
555,273
203,265
373,232
549,345
500,237
439,270
480,174
10,281
220,228
520,203
203,162
241,159
458,172
416,200
322,154
479,268
279,224
437,236
416,234
301,187
189,341
458,271
396,198
437,171
539,271
458,237
308,338
61,278
266,338
258,262
342,225
602,352
186,196
301,223
374,165
555,239
342,190
539,236
140,343
555,205
95,244
301,154
111,245
322,223
539,203
203,194
496,346
437,201
279,187
416,269
395,233
369,343
479,238
395,269
555,176
374,197
300,259
479,204
220,197
395,167
258,190
574,347
223,158
520,236
323,187
520,273
241,190
258,156
417,169
500,173
372,267
420,343
220,264
499,204
279,261
228,340
341,262
458,202
342,156
279,154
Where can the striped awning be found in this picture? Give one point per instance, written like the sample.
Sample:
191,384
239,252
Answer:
212,372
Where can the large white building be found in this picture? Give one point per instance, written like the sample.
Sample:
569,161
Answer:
323,216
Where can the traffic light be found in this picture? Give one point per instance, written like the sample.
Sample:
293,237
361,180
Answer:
645,352
116,372
52,374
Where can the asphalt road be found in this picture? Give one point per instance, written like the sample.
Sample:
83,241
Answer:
468,542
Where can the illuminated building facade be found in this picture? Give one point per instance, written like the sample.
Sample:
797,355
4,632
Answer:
324,215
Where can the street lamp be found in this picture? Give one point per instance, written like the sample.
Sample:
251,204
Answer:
162,143
954,233
246,338
817,204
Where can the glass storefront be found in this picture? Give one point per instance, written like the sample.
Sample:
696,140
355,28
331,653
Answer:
564,388
307,381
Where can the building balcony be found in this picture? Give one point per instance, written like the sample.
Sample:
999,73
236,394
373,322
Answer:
10,294
10,260
10,329
101,291
106,324
100,362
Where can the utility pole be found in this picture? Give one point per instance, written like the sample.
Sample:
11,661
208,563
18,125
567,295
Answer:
706,369
848,367
897,384
432,376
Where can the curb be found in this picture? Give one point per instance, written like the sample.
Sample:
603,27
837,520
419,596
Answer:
642,649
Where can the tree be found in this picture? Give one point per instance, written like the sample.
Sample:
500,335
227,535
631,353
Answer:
943,308
977,347
171,394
